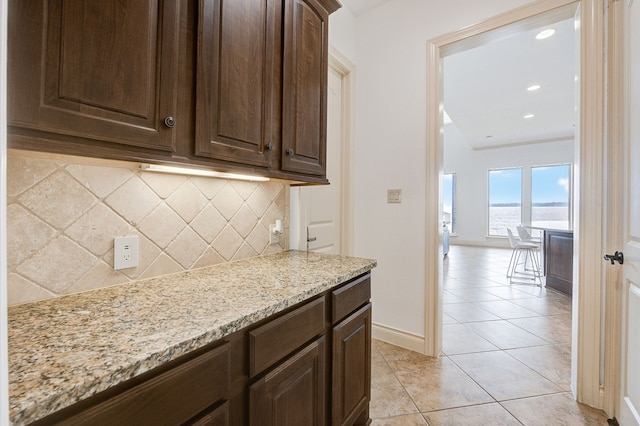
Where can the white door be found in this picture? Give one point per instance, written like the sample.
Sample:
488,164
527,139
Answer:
630,366
322,204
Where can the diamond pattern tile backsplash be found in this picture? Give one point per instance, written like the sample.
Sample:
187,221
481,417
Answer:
62,218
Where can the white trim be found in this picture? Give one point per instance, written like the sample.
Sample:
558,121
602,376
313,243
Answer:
433,204
590,185
396,337
588,268
340,64
4,351
615,204
493,242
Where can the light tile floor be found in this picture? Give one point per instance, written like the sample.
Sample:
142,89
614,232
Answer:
506,355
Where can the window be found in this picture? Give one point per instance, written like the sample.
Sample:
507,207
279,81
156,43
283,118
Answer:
449,200
505,200
551,195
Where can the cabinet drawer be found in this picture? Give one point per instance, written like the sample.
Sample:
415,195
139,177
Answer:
217,417
171,398
275,340
350,297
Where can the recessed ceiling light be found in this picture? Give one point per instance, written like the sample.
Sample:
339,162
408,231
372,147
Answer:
533,88
529,116
545,34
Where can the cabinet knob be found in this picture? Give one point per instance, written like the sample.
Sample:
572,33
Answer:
170,122
270,146
290,152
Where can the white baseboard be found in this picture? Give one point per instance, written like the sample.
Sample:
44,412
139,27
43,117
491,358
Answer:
400,338
489,242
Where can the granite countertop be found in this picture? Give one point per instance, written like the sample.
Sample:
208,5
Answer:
66,349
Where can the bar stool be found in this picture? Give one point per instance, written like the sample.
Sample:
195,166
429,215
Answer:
525,236
529,249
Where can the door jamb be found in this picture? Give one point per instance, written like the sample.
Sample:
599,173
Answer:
346,69
616,148
339,63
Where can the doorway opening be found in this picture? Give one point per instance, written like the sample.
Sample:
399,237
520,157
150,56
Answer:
588,212
510,141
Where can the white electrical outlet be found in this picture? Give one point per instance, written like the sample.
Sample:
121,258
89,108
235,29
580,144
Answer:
125,252
274,237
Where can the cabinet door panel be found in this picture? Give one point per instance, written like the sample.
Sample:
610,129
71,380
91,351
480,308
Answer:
237,80
294,393
351,367
305,87
103,70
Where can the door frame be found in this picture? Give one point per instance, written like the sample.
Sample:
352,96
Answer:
4,346
617,116
589,192
346,69
617,163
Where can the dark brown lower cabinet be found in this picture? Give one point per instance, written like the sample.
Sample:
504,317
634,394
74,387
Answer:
172,397
307,365
352,368
293,393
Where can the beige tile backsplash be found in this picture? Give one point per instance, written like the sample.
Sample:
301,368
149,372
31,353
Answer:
62,218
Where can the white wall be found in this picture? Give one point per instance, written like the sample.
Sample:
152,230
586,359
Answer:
342,33
390,145
471,168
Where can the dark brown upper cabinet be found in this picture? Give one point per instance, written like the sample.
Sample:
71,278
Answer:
306,49
100,70
261,91
234,85
237,80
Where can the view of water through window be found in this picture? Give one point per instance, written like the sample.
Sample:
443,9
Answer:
449,200
550,194
505,200
550,198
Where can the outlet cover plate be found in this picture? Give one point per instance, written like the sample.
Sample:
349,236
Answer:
125,252
274,238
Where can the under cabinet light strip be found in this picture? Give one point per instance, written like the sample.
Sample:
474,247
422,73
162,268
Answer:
199,172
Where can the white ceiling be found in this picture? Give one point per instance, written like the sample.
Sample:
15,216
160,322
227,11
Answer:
358,7
485,87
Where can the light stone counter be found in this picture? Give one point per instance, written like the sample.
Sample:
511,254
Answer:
66,349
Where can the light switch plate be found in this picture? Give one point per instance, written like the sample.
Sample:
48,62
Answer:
394,196
125,252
